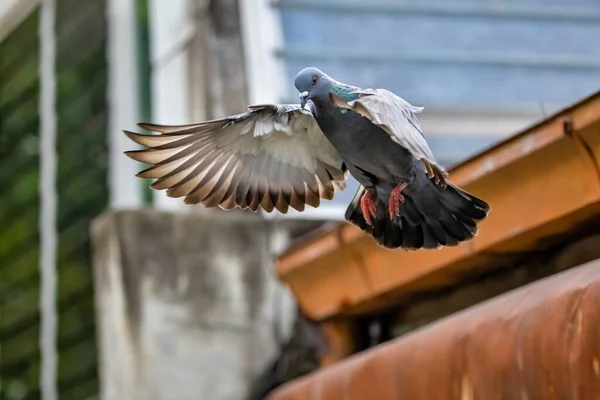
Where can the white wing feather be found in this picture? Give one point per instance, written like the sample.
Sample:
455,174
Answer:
274,156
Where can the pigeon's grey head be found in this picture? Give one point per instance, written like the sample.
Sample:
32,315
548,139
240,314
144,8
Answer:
312,83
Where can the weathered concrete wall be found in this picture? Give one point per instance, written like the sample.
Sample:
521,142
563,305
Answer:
188,305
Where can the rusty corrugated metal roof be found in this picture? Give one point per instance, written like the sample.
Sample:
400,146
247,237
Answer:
538,342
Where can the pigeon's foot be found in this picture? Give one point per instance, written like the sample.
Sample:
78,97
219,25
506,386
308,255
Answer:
368,206
396,198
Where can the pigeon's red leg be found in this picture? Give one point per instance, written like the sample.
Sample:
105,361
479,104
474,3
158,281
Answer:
396,198
368,206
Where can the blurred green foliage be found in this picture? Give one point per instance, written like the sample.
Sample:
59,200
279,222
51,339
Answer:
19,204
82,155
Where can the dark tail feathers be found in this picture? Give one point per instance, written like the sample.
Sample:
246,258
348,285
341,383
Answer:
430,218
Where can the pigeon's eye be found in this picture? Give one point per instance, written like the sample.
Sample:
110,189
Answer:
314,80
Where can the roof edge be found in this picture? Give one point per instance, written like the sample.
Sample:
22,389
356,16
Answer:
339,270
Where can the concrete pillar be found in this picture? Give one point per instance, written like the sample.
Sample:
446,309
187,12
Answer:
188,305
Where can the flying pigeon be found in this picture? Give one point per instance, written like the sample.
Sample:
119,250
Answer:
282,156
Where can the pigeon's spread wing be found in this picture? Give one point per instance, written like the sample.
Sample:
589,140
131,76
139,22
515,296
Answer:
398,118
274,156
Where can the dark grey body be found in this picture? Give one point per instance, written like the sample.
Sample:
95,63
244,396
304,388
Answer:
357,139
431,216
366,139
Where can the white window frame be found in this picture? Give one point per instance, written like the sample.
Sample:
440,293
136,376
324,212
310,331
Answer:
123,104
172,28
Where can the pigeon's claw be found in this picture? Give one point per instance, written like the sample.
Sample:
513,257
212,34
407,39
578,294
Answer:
368,206
396,198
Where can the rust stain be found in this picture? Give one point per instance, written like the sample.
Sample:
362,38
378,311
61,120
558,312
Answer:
426,364
568,126
466,389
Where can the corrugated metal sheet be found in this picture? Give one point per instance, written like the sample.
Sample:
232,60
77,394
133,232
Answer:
538,342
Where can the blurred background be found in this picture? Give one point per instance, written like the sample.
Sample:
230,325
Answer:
153,280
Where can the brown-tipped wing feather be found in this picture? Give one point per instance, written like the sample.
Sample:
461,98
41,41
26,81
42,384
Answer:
396,117
274,157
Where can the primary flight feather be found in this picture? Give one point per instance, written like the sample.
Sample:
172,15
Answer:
281,156
274,156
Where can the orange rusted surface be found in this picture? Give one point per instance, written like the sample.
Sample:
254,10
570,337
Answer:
540,183
341,341
541,341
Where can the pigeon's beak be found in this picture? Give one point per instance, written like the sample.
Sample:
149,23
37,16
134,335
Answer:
303,98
